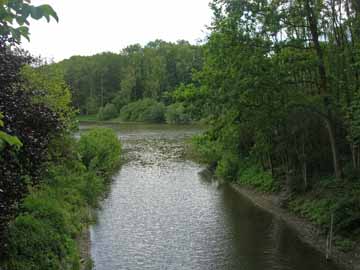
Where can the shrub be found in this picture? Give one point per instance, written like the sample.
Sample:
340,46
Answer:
120,101
145,110
316,210
254,176
204,150
36,245
43,236
100,150
345,244
228,167
108,112
175,114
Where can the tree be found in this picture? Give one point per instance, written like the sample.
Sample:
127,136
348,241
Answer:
18,12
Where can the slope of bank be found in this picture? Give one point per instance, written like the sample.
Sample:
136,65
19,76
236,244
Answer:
307,232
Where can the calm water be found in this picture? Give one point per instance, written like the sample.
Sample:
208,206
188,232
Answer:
162,213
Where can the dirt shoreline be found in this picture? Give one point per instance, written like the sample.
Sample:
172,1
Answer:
84,243
307,232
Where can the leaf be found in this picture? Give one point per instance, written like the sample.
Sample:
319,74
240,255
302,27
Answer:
11,140
25,11
48,12
36,13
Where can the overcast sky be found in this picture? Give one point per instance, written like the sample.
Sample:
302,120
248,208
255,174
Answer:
88,27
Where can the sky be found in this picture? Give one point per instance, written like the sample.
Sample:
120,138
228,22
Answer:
87,27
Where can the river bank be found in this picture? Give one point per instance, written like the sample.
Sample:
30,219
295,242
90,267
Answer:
84,244
307,232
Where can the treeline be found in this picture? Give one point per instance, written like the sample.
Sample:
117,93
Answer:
281,86
103,84
48,179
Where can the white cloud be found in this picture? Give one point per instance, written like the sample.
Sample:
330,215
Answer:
87,26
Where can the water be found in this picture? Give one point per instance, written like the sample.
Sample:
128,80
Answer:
161,213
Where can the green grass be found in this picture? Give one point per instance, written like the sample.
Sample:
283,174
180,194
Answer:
87,118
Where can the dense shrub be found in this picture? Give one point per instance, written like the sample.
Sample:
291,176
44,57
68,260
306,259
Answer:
319,208
108,112
100,150
205,150
120,101
175,114
228,167
145,110
43,235
34,124
255,176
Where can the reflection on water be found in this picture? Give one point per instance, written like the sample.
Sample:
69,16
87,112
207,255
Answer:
161,214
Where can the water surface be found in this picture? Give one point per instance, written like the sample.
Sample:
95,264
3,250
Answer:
162,213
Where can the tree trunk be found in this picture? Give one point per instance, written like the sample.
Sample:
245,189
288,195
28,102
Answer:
304,163
335,155
313,25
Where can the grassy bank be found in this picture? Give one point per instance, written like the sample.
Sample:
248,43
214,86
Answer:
44,234
87,118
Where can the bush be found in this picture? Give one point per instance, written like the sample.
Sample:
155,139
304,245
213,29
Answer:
145,110
204,150
43,236
316,210
254,176
120,101
228,167
175,114
36,245
108,112
100,150
345,244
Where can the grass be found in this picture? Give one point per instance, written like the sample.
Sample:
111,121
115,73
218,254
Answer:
87,118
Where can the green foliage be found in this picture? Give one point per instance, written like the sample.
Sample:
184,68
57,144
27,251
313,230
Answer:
36,245
228,167
120,101
254,176
145,110
192,100
92,106
135,73
331,198
316,210
100,150
345,244
176,114
87,118
43,236
51,89
15,14
7,139
108,112
205,150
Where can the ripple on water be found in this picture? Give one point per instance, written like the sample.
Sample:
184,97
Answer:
159,214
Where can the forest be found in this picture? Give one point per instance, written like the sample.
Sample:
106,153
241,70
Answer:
135,84
276,83
281,91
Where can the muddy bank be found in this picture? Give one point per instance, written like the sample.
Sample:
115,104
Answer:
84,244
308,232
